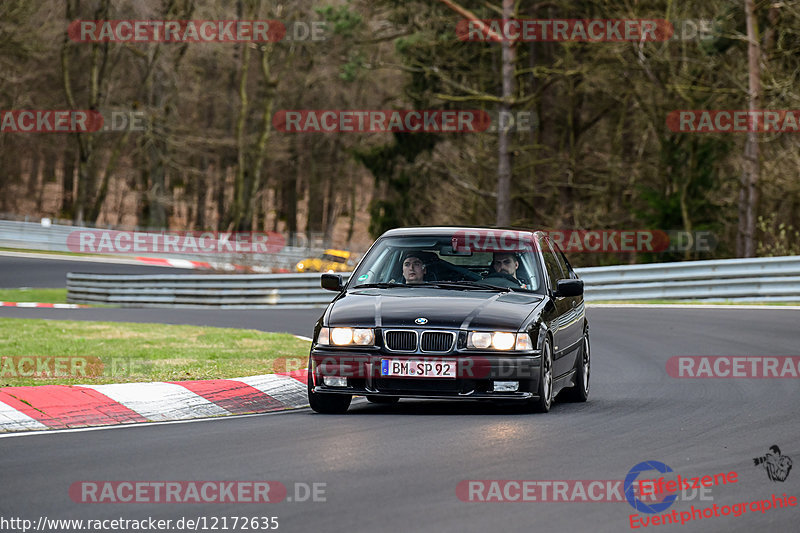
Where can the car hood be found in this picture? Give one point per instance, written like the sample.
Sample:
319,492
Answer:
443,308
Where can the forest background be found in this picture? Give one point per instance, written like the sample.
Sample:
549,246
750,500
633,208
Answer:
599,157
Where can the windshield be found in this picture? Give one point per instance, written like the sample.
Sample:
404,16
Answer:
448,258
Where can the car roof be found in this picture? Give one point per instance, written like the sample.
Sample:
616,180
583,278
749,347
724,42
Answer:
417,231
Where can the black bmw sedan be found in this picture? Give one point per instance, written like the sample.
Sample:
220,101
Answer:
456,313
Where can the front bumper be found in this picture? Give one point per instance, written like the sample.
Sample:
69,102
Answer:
475,376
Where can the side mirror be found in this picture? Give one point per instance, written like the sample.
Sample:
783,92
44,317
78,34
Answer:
332,282
569,287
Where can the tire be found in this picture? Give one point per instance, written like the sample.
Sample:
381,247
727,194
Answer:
580,392
328,404
383,400
545,389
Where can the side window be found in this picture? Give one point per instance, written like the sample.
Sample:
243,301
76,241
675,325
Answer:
572,273
554,272
562,262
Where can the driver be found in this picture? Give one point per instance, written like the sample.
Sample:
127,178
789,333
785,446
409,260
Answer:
505,264
413,268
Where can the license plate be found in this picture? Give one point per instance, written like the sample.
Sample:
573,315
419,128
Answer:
416,368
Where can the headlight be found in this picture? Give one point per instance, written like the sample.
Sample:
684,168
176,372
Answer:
498,340
479,339
503,341
346,336
300,266
342,336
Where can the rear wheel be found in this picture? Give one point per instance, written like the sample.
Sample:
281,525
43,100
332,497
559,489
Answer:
383,400
329,404
545,389
580,392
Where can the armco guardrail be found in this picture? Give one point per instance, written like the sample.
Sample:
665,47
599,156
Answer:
53,237
765,278
772,278
213,290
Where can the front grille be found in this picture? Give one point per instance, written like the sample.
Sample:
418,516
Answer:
437,341
401,341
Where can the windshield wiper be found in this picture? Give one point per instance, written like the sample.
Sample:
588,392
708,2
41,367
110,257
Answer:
383,285
469,285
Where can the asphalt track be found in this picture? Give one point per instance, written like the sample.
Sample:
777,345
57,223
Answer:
47,272
396,468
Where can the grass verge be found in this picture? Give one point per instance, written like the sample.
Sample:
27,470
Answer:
48,296
67,352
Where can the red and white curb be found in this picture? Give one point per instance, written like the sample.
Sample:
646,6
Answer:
186,263
39,304
58,406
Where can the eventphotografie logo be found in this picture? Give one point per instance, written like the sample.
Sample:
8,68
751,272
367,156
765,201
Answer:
777,465
668,490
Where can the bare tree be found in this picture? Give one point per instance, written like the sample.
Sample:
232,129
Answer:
503,215
748,191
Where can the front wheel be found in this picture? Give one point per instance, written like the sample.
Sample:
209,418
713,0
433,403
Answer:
545,389
580,392
328,404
